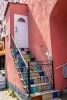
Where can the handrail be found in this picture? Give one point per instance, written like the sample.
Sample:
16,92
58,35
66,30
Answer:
60,66
19,50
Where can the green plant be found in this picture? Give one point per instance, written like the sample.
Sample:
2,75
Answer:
8,89
11,92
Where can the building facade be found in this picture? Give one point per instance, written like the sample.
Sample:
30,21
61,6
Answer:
44,34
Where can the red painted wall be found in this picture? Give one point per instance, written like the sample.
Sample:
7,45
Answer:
58,27
48,33
11,70
19,9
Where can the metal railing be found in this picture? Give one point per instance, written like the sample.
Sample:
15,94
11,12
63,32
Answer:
47,68
61,66
15,47
18,59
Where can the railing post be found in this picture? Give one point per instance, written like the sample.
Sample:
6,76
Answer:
53,75
29,79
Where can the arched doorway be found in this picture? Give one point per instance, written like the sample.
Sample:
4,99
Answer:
58,30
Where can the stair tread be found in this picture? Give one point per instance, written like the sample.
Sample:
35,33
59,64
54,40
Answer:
31,72
44,92
36,71
38,84
22,72
34,77
33,85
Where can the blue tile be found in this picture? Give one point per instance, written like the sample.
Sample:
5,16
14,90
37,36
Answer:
24,69
17,52
27,52
22,49
49,86
31,81
25,76
55,94
22,64
31,90
21,69
41,73
32,59
46,79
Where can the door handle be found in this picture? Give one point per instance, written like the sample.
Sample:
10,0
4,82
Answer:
16,29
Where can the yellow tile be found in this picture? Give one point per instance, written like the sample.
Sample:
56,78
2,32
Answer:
47,96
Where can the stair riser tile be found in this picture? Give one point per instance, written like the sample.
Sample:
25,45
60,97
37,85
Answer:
24,76
25,52
22,69
25,56
32,69
33,63
24,49
35,75
27,60
43,88
47,96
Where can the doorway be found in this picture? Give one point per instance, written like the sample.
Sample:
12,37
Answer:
21,31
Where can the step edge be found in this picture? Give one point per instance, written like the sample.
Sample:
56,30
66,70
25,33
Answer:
32,78
42,93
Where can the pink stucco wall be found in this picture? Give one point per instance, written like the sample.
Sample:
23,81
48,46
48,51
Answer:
47,30
58,29
43,35
11,70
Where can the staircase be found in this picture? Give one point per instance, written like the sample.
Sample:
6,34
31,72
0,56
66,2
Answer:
37,76
2,82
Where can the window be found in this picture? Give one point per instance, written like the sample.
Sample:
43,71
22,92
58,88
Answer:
21,20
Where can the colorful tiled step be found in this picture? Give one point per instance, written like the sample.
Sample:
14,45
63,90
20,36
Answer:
36,88
24,76
24,49
33,63
28,56
39,84
31,59
46,95
35,68
37,73
50,96
25,52
38,81
27,60
22,69
39,88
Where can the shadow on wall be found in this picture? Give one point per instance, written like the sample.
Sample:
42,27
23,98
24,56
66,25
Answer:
58,31
37,43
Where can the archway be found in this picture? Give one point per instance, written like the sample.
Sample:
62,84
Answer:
58,31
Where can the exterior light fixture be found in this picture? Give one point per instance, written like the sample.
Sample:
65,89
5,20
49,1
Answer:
47,52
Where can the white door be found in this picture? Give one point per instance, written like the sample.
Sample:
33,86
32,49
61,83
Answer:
21,31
